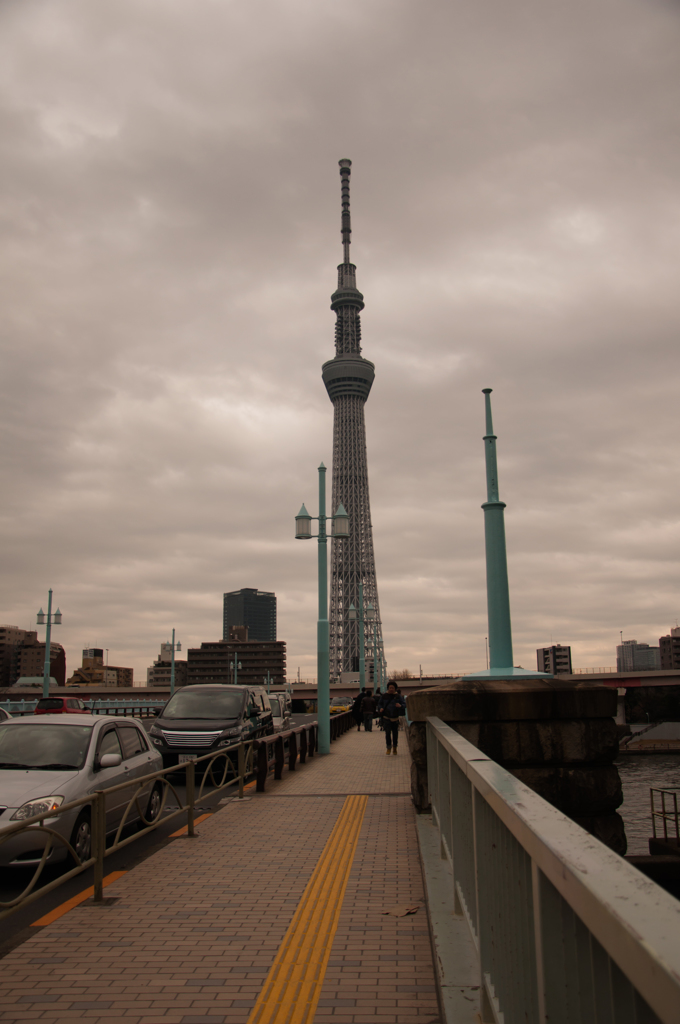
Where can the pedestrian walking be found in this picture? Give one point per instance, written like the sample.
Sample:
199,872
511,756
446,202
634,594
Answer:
356,708
368,709
391,708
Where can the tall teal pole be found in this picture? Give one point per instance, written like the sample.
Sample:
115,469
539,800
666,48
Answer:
362,639
323,629
497,587
376,681
172,666
48,650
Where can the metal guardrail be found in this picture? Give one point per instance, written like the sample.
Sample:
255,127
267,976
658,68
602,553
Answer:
566,931
665,814
301,742
227,767
18,708
230,766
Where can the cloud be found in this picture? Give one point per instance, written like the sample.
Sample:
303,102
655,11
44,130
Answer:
170,219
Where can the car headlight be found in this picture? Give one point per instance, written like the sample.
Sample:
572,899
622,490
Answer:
155,731
40,806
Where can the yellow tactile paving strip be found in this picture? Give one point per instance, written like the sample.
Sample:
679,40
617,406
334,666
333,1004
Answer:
292,989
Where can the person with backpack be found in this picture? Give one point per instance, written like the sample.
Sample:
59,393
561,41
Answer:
391,707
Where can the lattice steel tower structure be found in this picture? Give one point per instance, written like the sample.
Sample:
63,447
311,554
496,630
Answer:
348,379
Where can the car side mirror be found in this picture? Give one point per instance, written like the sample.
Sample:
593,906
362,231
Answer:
254,713
156,712
110,760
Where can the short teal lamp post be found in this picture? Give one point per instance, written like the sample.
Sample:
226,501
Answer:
47,622
363,615
303,531
235,666
497,587
267,680
174,647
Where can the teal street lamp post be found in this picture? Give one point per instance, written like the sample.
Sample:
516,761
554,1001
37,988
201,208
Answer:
47,622
175,647
303,531
267,680
363,615
497,587
235,666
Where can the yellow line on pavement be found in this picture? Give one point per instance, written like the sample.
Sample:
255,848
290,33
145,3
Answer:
185,828
64,908
291,992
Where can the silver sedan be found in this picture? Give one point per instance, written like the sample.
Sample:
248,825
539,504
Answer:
52,760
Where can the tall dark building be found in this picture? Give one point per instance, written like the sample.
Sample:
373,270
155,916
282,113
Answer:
254,609
554,659
348,379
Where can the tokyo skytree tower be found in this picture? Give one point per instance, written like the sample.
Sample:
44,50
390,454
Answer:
348,379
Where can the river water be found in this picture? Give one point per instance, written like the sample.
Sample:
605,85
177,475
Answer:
638,773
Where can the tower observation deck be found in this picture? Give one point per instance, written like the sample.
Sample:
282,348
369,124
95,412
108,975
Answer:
348,379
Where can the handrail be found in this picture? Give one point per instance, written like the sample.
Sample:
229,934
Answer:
104,705
562,924
239,761
232,774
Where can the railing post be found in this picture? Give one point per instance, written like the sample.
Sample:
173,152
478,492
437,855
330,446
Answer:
292,751
241,768
303,746
262,764
98,826
278,757
191,796
312,740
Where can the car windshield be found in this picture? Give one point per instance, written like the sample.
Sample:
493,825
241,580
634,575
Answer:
339,700
43,745
49,703
276,707
190,703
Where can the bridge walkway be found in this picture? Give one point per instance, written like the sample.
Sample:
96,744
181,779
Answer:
278,903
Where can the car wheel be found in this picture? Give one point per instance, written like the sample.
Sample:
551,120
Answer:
81,837
153,808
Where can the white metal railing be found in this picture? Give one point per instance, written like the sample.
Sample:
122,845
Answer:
567,932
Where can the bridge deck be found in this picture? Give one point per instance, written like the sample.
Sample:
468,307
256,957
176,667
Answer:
279,900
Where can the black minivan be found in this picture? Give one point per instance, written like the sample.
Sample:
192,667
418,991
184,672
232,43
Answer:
201,718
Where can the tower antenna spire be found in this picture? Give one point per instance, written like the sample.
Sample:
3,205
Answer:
346,228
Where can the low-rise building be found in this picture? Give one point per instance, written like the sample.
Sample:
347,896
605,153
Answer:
160,672
218,661
94,672
32,660
669,649
555,659
12,639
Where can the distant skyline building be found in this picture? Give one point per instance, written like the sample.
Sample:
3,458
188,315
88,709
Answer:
555,659
254,609
634,657
12,639
348,379
94,672
669,649
159,674
213,662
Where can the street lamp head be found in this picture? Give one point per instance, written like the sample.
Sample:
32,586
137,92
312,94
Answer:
178,646
57,617
40,621
303,525
352,613
340,523
370,611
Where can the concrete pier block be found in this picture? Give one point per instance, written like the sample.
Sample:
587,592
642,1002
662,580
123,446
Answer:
557,736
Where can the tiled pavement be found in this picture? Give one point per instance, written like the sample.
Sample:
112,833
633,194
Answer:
192,931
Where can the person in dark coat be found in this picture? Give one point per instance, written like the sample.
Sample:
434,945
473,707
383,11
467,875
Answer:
356,708
391,707
368,708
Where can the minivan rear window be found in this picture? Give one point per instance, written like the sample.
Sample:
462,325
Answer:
190,703
50,703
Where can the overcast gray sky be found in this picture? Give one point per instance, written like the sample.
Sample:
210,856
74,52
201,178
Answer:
170,209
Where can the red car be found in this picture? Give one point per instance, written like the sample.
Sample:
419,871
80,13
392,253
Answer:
61,706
